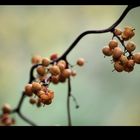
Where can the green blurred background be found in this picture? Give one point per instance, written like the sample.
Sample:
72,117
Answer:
105,97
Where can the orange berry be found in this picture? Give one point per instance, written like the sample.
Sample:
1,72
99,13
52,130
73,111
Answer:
48,102
73,73
80,62
6,108
45,62
32,101
66,73
130,63
128,33
51,94
41,70
55,79
113,44
62,65
41,92
36,86
107,51
28,90
118,67
117,52
54,56
62,79
136,58
123,59
128,69
36,59
117,31
130,46
54,70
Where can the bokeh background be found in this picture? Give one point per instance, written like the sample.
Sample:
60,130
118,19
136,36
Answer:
105,97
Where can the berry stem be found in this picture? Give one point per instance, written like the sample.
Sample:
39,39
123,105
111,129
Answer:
68,102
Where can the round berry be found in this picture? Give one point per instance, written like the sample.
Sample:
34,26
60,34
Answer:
136,58
118,67
66,73
62,79
55,79
54,70
107,51
6,108
130,63
36,86
80,62
117,31
41,70
28,90
53,56
117,52
45,62
36,59
51,94
113,44
32,101
73,73
41,92
123,59
130,46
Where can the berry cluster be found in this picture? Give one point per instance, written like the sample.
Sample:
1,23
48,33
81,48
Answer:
5,118
48,70
122,60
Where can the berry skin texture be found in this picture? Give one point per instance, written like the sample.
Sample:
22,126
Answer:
53,56
55,79
118,67
45,62
130,63
136,58
107,51
54,70
73,73
130,46
117,31
113,44
66,73
117,52
32,101
6,108
80,62
123,59
28,90
36,59
41,70
36,87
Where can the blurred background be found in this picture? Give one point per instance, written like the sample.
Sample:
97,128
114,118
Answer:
105,97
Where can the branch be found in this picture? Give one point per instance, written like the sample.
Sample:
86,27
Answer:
109,29
63,56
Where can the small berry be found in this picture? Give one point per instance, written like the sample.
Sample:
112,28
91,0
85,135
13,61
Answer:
107,51
36,86
136,58
41,70
123,59
113,44
117,52
66,73
118,67
6,108
36,59
41,92
28,90
54,70
55,79
54,56
45,62
130,46
32,101
51,94
117,31
73,73
130,63
80,62
62,79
